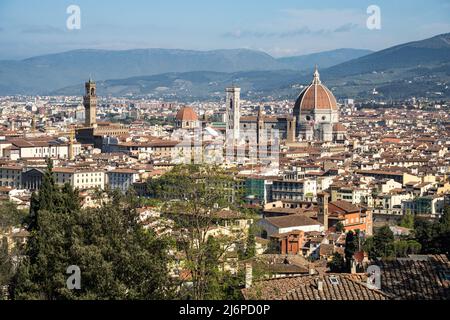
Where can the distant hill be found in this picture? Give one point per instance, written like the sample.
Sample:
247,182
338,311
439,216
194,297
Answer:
196,85
430,51
43,74
323,59
419,68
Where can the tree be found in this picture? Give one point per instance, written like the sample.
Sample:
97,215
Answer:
250,248
444,222
351,245
407,221
194,198
426,233
10,217
384,239
337,264
434,237
117,257
381,244
6,267
369,247
339,227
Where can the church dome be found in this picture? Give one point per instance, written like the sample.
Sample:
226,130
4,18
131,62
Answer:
316,97
187,114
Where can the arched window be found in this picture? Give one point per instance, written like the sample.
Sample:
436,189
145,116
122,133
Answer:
92,91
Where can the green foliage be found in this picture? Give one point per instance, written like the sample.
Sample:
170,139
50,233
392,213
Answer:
250,248
51,198
444,222
117,257
206,185
430,237
337,264
10,216
402,248
6,266
273,247
351,245
407,221
434,237
381,244
339,227
426,233
193,196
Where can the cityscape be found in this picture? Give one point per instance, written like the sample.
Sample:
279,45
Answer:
320,176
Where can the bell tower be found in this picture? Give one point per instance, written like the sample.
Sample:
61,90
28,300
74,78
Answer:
233,112
90,104
322,215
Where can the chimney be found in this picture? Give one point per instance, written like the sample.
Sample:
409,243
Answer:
320,285
353,267
248,275
311,271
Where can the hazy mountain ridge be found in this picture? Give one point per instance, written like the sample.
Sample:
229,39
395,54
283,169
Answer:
324,59
43,74
420,68
430,51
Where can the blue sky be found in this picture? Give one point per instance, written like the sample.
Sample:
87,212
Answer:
278,27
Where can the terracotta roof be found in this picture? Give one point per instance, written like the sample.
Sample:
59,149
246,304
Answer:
343,287
187,114
417,277
339,127
292,221
341,206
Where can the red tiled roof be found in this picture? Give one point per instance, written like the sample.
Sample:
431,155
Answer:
187,114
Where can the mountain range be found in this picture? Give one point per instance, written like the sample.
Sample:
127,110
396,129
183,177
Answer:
420,68
47,73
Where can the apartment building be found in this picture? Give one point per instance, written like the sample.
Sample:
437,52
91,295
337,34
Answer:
81,178
294,190
122,179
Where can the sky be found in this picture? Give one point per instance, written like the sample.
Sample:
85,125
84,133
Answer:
278,27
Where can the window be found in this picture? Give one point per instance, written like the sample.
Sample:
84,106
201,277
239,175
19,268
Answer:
334,280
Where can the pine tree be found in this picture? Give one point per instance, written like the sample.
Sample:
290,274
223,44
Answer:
250,249
350,248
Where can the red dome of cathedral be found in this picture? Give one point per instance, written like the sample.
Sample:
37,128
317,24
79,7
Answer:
316,97
187,114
